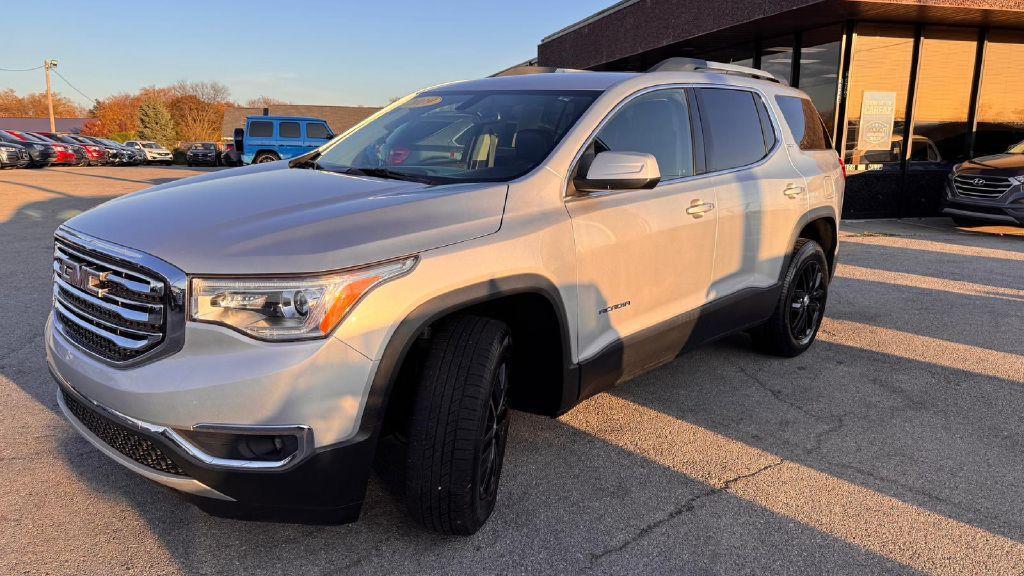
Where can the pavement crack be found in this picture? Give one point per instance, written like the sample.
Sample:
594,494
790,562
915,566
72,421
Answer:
689,505
776,393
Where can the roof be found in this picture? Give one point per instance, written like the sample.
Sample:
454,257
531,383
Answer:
554,81
339,118
72,125
299,118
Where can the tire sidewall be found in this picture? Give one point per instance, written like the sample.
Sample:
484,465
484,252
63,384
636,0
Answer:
809,251
482,507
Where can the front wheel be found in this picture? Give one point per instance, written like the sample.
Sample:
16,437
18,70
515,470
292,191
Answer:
794,324
459,426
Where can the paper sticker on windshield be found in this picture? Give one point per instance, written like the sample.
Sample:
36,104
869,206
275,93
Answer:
422,102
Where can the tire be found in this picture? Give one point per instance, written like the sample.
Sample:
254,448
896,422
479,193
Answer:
796,319
189,164
265,157
459,426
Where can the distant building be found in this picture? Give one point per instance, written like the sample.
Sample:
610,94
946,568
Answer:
73,125
339,118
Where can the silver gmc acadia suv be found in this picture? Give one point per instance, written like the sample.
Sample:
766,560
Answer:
250,337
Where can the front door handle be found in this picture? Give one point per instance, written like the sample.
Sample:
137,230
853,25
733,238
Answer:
698,208
792,190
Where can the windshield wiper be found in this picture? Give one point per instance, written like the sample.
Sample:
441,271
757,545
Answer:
387,173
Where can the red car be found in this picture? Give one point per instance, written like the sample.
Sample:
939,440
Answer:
95,153
43,152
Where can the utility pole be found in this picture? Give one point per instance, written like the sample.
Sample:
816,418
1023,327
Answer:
47,64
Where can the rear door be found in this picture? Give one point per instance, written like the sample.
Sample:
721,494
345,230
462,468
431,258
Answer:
317,133
810,149
259,135
760,196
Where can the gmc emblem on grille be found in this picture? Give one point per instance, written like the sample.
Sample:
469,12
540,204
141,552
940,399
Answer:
978,181
84,278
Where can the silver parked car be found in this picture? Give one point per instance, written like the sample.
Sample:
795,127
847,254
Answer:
247,337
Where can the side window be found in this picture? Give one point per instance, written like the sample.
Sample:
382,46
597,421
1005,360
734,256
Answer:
289,130
804,122
317,131
656,123
261,129
732,128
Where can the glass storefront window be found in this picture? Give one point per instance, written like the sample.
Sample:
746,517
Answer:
877,99
741,55
820,53
1001,101
943,98
777,58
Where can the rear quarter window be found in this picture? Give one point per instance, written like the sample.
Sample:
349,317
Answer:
733,134
804,123
261,129
317,130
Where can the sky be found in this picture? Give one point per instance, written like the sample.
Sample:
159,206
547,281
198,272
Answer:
307,52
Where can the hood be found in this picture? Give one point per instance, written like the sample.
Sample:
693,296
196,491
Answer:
996,164
268,218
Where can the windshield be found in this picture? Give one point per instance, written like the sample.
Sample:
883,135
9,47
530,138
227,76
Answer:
1017,148
443,137
202,146
150,145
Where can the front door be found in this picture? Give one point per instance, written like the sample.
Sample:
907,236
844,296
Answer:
644,257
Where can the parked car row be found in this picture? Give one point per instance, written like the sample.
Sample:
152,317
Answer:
20,149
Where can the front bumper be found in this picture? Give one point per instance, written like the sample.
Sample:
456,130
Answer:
221,378
1008,208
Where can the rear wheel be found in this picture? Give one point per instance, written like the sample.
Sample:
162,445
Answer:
459,426
794,324
266,157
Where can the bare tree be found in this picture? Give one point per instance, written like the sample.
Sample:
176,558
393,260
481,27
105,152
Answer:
264,102
212,92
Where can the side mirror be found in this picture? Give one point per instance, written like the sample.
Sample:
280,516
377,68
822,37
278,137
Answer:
611,170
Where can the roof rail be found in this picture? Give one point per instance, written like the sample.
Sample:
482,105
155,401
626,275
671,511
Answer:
680,64
524,70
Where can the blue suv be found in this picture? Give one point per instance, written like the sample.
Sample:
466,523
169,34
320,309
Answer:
270,138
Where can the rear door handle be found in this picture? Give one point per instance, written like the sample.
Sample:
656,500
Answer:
792,190
698,208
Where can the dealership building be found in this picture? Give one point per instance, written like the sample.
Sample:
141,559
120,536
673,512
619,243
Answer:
945,75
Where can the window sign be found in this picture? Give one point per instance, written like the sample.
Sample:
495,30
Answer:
877,114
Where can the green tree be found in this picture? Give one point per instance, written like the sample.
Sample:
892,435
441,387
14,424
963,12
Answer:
155,123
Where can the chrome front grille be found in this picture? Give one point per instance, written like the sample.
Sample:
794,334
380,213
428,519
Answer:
986,187
106,304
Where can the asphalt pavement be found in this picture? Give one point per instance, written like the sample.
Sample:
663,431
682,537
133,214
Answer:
892,446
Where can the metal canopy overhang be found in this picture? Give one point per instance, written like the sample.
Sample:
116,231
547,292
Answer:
653,29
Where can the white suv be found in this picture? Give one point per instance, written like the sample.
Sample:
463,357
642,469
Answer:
151,152
248,337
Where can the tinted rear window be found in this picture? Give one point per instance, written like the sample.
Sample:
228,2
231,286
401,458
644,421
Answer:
261,129
804,122
289,130
316,130
732,128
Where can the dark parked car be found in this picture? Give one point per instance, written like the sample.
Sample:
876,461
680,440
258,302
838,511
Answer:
40,155
65,154
90,154
202,154
988,189
13,155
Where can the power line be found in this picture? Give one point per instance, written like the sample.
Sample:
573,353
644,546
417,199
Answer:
19,69
84,95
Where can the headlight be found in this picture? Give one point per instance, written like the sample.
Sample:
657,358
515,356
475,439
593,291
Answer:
1017,179
8,148
288,308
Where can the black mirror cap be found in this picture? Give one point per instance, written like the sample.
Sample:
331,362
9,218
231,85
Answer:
584,185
